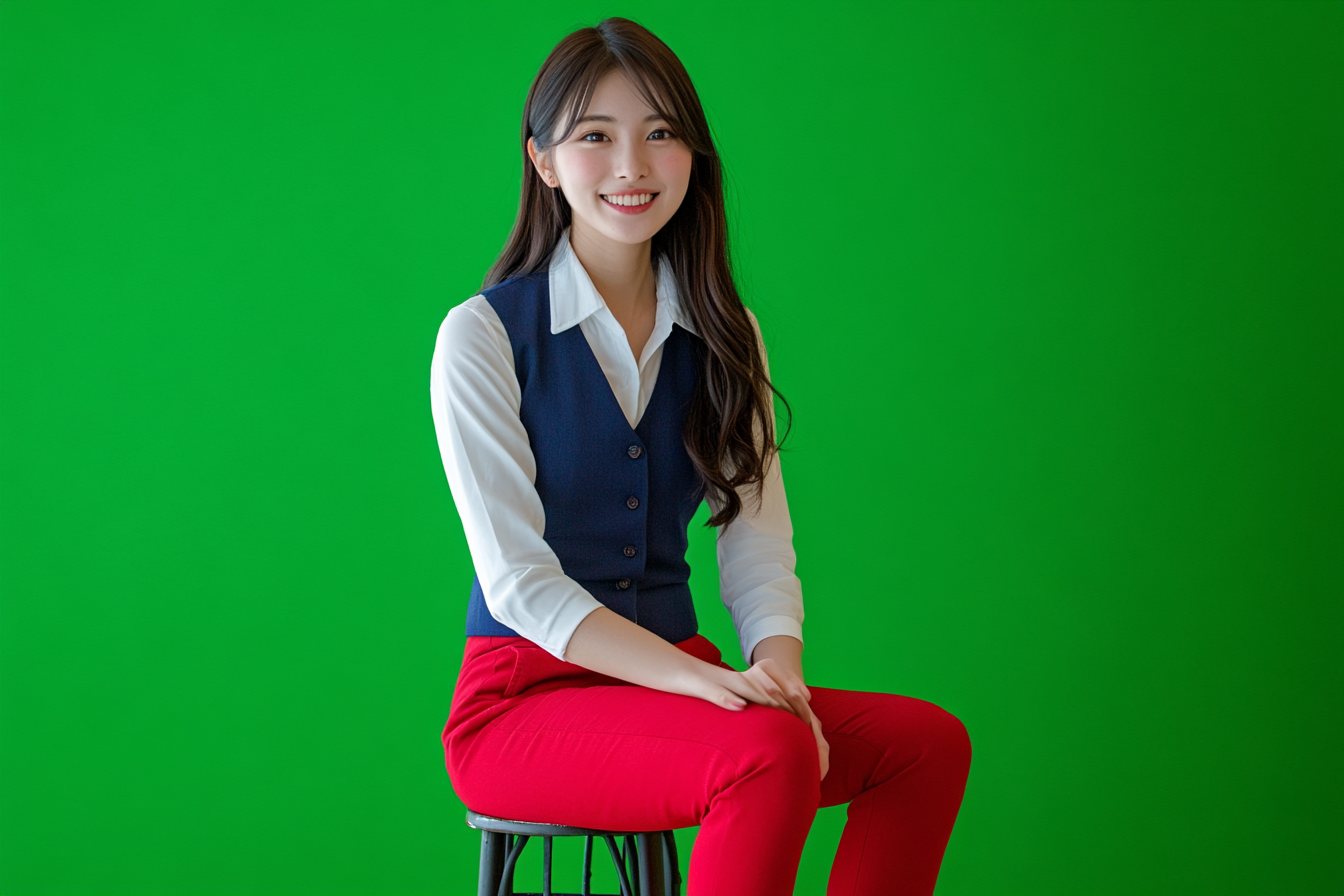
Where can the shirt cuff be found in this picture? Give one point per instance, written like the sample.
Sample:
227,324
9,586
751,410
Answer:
768,627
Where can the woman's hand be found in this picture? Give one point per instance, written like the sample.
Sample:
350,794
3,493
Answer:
785,657
768,683
776,679
789,692
615,646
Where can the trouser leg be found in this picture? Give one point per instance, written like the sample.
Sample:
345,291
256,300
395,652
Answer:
901,764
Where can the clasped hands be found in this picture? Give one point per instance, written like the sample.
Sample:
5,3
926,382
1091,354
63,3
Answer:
768,682
613,645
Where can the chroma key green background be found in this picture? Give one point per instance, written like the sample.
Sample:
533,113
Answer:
1056,290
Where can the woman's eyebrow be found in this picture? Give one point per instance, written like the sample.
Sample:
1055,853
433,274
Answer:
651,117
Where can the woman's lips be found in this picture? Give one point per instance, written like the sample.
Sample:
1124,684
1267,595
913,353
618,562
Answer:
630,203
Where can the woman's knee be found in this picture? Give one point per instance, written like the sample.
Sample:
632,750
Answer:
951,738
777,746
926,727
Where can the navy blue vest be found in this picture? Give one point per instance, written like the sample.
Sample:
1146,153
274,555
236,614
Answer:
617,500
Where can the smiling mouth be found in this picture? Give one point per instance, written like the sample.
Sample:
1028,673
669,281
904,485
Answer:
629,203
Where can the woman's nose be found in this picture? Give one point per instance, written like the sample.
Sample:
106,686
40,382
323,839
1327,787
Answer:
631,161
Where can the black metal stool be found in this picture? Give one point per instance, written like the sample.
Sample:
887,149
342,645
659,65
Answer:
646,865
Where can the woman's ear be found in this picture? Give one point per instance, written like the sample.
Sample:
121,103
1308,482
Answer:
542,162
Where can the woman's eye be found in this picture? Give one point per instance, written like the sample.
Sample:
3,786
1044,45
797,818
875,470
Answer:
594,137
662,134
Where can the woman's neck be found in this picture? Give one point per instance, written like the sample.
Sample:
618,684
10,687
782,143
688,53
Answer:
621,272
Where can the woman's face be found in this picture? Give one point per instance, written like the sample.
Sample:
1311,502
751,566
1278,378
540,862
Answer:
623,170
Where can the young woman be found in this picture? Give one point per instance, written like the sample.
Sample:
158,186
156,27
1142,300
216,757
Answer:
605,381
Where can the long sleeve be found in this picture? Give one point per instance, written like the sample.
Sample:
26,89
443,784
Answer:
756,561
475,398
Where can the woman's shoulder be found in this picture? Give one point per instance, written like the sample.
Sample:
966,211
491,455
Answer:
518,284
472,314
520,302
470,329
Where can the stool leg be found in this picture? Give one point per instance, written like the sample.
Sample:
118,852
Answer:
545,866
619,863
587,888
630,855
671,866
492,863
650,859
510,862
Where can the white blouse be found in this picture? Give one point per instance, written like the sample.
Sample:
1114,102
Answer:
475,398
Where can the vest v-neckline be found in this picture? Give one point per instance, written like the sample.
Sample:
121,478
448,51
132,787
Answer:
611,394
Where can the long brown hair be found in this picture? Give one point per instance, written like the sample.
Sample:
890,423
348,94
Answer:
729,432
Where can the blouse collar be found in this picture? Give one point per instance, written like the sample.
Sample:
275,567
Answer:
574,298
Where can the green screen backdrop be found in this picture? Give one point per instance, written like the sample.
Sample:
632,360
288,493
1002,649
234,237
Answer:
1056,291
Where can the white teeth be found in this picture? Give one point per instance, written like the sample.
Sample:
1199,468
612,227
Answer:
630,199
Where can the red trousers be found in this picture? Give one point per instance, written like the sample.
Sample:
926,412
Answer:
533,738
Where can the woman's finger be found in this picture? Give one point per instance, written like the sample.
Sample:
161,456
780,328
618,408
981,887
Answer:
795,704
749,689
787,681
800,708
768,691
823,748
790,689
721,696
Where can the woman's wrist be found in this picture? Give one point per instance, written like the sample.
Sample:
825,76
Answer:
697,677
785,650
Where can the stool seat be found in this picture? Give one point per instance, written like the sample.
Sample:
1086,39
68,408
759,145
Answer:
537,828
646,866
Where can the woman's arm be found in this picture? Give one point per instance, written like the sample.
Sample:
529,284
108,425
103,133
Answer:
491,470
757,582
785,650
608,643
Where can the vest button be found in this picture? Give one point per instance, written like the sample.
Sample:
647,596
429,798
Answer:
634,451
623,584
630,550
632,502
